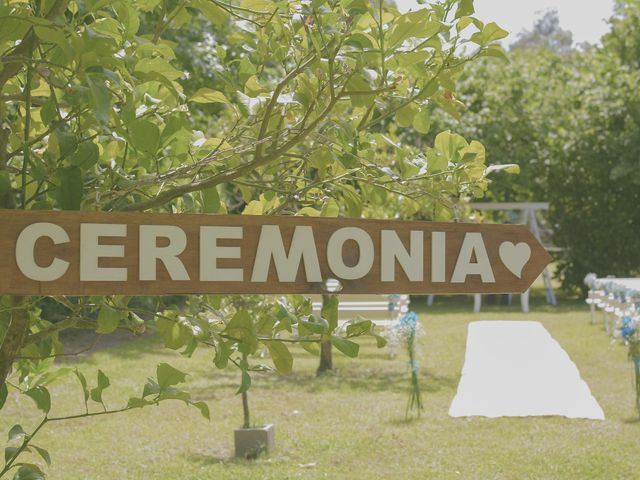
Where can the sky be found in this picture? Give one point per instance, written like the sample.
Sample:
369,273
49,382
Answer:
586,19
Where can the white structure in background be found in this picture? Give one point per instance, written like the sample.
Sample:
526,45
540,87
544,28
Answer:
382,310
616,298
517,369
528,215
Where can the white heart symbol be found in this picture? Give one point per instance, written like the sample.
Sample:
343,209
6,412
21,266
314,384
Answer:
515,257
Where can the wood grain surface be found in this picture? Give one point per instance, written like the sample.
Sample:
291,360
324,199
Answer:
13,281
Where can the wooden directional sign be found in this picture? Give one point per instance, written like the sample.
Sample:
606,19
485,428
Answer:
100,253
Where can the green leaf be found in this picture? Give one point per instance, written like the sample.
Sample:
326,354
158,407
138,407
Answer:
109,27
150,388
146,5
172,393
67,143
100,97
359,83
380,341
128,17
493,32
436,161
173,333
253,88
281,356
159,66
221,360
406,59
242,329
86,156
330,310
413,25
214,14
490,33
422,121
352,200
50,377
144,136
254,207
41,396
308,212
83,382
463,23
4,393
508,168
204,409
180,16
192,344
135,402
496,51
405,115
16,432
313,325
449,145
53,35
43,453
265,6
321,158
103,383
48,112
311,347
29,472
5,184
168,376
349,348
108,319
9,453
330,208
362,327
210,200
13,28
465,7
70,188
206,95
246,382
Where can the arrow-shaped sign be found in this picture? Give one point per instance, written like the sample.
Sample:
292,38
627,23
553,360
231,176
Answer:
101,253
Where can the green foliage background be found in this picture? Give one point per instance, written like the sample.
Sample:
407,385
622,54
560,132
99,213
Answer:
208,106
570,118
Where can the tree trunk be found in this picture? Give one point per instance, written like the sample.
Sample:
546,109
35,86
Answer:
326,362
246,416
246,423
14,338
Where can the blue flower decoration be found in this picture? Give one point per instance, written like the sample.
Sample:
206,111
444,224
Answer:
409,320
628,328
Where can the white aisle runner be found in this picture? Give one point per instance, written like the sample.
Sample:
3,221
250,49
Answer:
516,369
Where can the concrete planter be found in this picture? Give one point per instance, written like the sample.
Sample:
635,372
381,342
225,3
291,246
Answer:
250,442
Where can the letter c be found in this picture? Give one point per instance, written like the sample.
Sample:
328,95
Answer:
25,252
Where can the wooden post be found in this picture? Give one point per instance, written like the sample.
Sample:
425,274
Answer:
477,303
524,301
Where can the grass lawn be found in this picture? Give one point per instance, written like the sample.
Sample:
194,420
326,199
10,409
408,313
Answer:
349,425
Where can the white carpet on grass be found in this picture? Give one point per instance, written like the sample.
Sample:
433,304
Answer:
516,369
